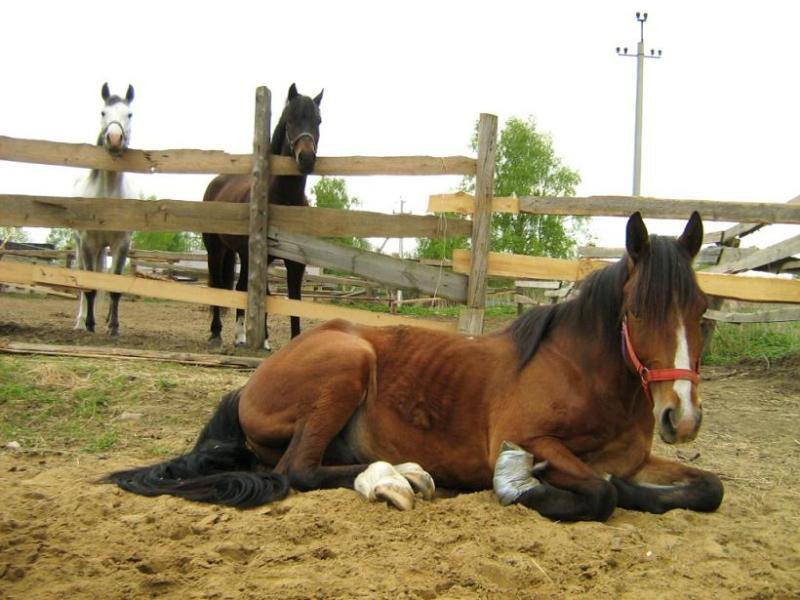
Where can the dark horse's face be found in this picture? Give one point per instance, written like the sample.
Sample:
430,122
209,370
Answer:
302,119
115,121
664,306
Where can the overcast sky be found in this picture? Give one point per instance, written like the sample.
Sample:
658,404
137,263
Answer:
720,116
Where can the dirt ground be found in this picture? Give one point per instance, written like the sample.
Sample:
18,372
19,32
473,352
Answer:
63,536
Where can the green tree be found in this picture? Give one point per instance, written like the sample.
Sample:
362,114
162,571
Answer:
165,241
61,238
12,234
526,165
331,192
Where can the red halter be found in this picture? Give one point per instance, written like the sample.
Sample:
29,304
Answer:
649,375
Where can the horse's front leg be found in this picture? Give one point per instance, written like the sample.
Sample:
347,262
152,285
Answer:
561,487
119,255
661,485
294,285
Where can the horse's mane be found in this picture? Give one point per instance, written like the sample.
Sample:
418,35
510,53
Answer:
279,135
665,277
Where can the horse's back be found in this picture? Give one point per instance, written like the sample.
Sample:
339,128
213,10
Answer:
228,188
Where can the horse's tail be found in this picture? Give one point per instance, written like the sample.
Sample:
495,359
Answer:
218,470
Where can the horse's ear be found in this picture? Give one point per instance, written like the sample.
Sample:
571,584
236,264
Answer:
692,237
637,240
105,93
292,92
129,94
318,98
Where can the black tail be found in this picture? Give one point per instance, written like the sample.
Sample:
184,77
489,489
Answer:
218,470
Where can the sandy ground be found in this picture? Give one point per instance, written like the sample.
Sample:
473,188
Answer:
62,536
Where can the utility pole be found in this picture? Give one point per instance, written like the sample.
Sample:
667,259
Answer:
637,141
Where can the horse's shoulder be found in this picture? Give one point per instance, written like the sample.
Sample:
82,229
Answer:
228,188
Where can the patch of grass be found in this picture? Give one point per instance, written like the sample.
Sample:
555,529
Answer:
102,442
425,311
753,342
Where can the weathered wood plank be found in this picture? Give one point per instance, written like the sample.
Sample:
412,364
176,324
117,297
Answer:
655,208
710,255
29,274
255,329
780,315
116,214
190,358
754,289
760,258
464,203
393,272
739,230
472,319
216,161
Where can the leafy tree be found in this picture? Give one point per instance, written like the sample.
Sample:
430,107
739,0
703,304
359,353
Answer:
331,192
441,247
61,238
526,165
166,241
13,234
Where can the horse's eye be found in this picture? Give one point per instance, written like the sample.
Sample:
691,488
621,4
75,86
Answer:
103,113
130,115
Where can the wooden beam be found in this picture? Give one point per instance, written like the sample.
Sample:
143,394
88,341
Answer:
472,318
464,203
661,208
188,358
760,258
710,255
754,289
390,271
29,274
780,315
216,161
114,214
724,238
255,328
654,208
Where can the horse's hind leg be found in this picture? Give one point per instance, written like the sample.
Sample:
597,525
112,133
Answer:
90,259
661,485
241,286
119,254
220,262
80,321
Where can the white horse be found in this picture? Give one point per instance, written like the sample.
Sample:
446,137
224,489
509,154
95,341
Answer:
115,133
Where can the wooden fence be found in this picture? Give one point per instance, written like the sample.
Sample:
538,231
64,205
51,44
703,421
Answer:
295,232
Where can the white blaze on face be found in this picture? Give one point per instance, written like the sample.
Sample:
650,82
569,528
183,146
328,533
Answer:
683,387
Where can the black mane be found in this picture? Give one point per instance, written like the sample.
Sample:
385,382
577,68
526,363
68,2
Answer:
665,277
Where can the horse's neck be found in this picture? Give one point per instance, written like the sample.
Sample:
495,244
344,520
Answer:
106,184
289,190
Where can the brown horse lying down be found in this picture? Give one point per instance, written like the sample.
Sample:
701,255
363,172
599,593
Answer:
565,384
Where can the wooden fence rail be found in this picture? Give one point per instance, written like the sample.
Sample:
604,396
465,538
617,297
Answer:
213,217
754,289
216,161
623,206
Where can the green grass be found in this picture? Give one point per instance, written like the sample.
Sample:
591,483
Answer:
753,342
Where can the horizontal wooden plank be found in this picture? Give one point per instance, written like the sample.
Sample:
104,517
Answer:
754,289
390,271
28,274
216,161
661,208
116,214
189,358
710,255
760,258
780,315
739,230
464,203
623,206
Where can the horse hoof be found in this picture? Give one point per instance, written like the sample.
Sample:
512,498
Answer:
381,481
215,341
267,347
420,480
113,333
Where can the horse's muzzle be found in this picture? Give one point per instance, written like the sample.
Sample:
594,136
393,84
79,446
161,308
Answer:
306,161
676,428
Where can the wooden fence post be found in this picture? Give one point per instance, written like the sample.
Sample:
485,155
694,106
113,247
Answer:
471,319
257,243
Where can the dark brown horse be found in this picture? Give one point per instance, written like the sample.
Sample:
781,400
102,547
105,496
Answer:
297,135
580,386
